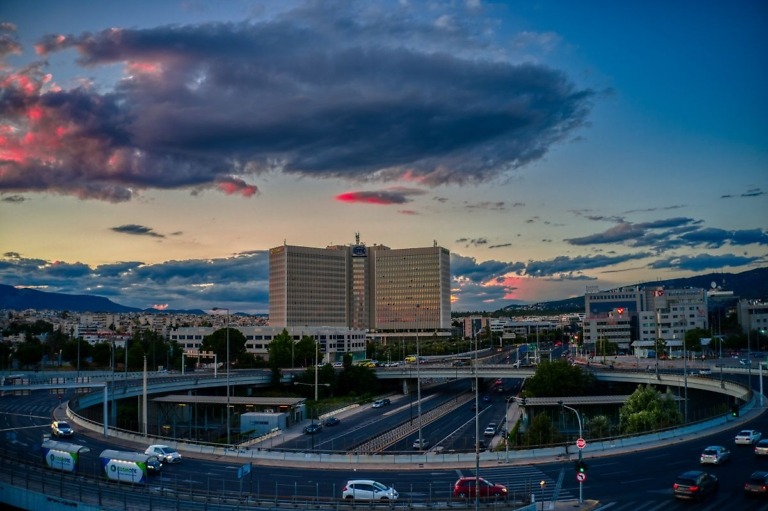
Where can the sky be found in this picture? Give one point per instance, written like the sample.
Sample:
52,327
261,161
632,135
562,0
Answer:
153,152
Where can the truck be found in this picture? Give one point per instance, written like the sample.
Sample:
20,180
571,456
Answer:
123,466
63,456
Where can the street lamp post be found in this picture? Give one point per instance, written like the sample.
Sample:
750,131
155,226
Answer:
418,378
685,379
226,309
578,418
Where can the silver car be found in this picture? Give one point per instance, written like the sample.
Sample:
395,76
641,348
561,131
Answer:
715,455
761,447
366,489
747,437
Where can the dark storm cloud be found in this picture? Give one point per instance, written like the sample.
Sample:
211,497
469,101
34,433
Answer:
715,238
468,268
638,234
563,265
240,282
137,230
327,90
703,262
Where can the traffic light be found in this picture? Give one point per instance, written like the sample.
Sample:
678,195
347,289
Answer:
581,466
734,410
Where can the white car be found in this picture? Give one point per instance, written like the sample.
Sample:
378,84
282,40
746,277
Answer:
490,430
748,437
165,453
420,444
715,455
366,489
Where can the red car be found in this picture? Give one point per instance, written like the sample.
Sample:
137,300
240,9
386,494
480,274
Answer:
465,488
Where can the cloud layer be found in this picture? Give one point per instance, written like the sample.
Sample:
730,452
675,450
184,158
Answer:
327,90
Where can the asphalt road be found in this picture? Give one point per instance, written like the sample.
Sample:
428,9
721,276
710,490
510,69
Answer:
637,481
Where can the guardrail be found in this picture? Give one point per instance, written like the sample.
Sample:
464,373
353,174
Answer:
29,486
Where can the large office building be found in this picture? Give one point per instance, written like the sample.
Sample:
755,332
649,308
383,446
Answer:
379,289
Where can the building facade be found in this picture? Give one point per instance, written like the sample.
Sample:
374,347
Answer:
333,342
378,289
633,318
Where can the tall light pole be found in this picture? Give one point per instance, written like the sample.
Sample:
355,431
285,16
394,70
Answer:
578,418
226,309
418,378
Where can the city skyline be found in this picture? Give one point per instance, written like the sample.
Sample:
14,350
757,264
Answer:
154,153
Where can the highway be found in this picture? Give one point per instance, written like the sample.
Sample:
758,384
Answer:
640,480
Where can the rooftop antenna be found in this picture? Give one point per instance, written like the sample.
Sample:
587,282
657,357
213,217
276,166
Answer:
357,238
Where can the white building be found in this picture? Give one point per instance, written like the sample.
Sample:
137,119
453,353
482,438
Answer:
334,342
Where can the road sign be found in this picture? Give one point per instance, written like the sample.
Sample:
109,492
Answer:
581,443
581,477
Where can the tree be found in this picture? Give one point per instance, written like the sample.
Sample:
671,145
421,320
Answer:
541,431
305,352
598,426
559,378
217,343
280,350
29,353
101,354
648,410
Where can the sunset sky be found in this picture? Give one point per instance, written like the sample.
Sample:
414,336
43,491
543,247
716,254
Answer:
152,152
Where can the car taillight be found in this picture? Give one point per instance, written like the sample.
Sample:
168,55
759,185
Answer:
345,488
675,486
693,488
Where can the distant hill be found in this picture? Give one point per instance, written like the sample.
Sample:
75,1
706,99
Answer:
12,298
751,285
21,299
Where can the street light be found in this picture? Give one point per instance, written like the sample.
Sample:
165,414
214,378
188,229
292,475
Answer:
578,418
418,378
226,309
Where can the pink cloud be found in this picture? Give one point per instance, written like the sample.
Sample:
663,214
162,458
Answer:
235,186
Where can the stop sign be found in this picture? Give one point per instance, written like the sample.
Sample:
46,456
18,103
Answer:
581,443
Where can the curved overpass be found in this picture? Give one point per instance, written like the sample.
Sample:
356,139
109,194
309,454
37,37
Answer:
728,388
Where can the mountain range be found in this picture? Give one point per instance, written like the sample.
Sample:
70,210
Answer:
752,284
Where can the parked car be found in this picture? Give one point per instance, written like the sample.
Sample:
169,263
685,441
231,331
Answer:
468,487
695,485
366,489
748,437
332,421
420,444
715,455
164,453
757,484
313,428
61,429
